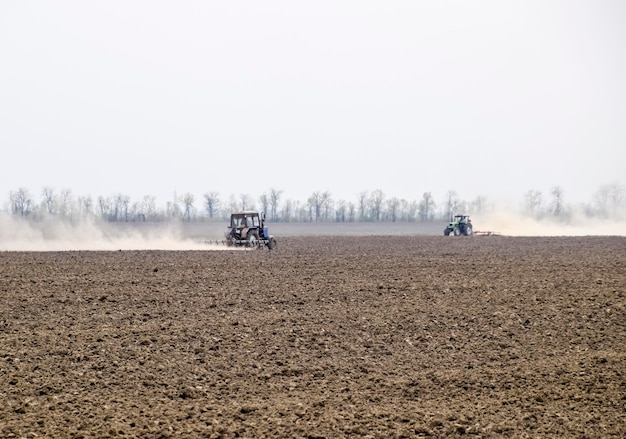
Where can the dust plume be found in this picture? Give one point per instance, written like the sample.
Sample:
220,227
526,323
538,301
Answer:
57,235
514,224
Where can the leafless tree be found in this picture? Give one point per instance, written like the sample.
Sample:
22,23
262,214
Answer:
85,205
66,203
608,200
20,202
49,200
188,200
533,200
351,212
328,206
426,207
412,211
479,204
233,205
616,196
601,201
246,202
318,203
558,208
264,199
148,208
172,209
274,198
362,202
340,212
211,203
377,198
452,203
104,207
393,205
287,211
120,207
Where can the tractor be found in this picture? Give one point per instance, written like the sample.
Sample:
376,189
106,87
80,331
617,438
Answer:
459,225
247,229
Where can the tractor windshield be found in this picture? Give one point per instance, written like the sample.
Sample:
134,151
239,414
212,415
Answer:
241,221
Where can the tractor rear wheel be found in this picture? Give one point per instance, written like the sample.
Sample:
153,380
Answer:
253,239
468,230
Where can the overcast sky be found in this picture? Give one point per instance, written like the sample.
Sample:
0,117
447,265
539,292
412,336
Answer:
488,98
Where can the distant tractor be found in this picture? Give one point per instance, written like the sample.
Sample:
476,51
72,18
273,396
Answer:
460,225
247,229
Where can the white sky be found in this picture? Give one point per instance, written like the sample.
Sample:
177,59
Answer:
488,98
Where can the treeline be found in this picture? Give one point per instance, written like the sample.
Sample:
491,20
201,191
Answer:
369,206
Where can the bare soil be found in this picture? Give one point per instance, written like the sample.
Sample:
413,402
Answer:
326,337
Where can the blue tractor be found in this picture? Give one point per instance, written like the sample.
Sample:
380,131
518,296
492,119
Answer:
247,229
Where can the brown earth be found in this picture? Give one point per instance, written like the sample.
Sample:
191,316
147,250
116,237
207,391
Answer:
324,337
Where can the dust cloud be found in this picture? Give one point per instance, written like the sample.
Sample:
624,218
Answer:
55,235
514,224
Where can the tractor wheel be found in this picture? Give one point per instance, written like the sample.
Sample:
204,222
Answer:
253,239
468,230
446,232
271,245
457,231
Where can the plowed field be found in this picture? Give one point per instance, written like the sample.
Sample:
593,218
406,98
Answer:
322,338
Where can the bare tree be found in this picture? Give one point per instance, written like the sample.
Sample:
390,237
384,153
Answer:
452,203
328,206
351,212
233,205
104,207
558,208
288,210
532,203
66,203
340,212
274,198
318,203
608,200
265,202
85,205
120,207
411,215
148,208
172,209
362,202
426,207
20,202
479,204
246,202
376,203
211,203
393,205
616,197
188,200
49,200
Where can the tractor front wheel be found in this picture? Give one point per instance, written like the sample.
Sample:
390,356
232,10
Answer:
271,245
457,231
